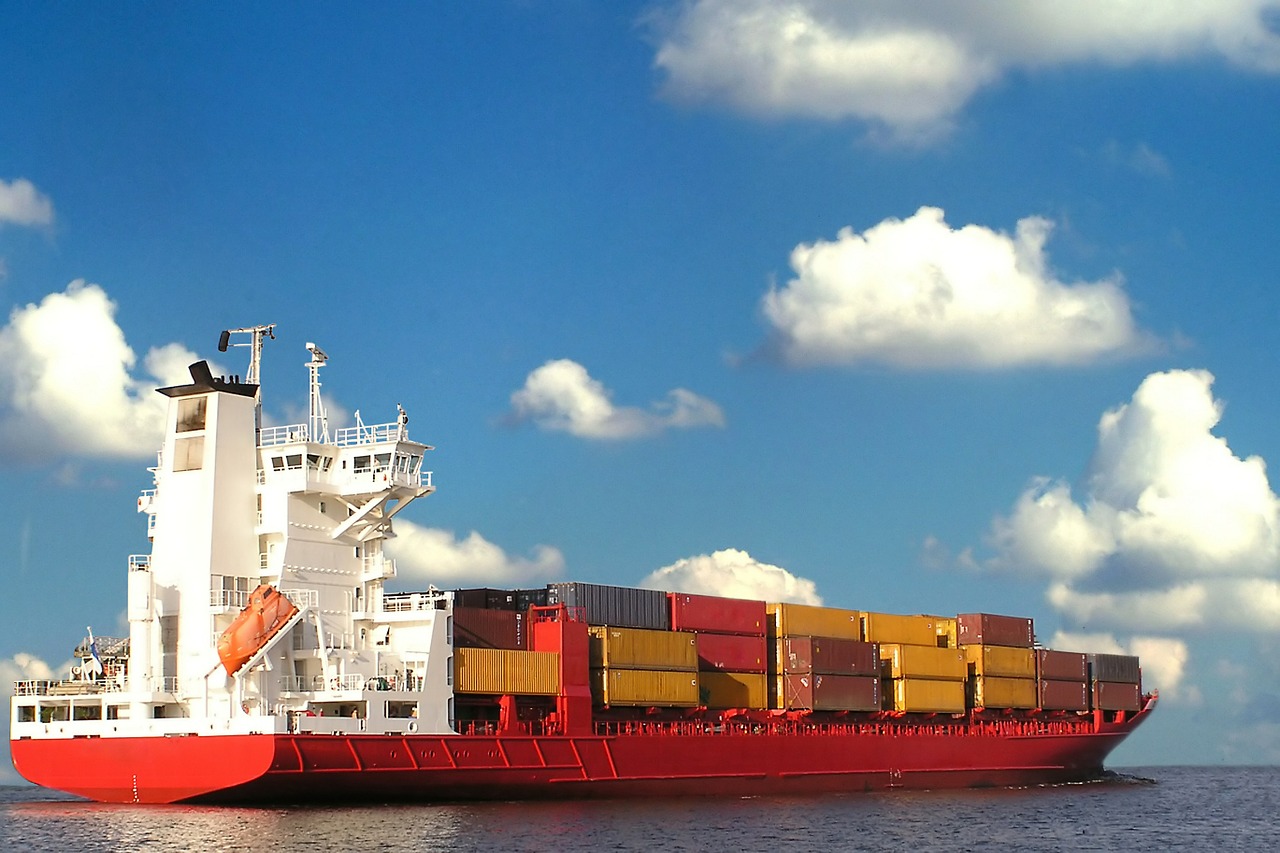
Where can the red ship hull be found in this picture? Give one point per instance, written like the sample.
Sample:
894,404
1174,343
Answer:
308,768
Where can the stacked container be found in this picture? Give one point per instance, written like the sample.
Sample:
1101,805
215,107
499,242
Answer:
1001,658
922,670
642,667
1062,680
476,627
731,647
505,672
1117,682
819,660
618,606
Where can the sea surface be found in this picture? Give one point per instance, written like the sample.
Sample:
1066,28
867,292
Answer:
1142,809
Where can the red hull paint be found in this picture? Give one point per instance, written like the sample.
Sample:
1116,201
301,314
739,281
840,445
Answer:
313,768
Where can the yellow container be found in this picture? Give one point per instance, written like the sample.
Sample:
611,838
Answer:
924,695
722,690
639,648
1003,661
506,671
994,692
645,687
892,628
899,660
804,620
945,629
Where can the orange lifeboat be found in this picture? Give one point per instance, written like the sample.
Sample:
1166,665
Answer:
267,613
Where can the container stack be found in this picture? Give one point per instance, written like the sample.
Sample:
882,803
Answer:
1001,658
731,648
819,661
921,674
1117,682
1062,680
643,667
616,606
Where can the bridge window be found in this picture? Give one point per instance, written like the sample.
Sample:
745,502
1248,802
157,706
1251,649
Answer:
191,412
188,454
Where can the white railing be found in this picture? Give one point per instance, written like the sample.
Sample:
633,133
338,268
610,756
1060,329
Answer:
164,685
301,683
233,598
139,562
372,568
32,687
303,598
367,434
290,434
348,682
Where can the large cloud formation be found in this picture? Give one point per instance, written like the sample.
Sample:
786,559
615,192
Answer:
560,395
911,67
733,574
438,556
917,293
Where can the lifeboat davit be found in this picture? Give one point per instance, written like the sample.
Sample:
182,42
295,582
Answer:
267,613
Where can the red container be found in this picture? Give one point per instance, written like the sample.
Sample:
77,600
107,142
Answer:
830,656
717,615
992,630
732,653
801,691
1062,666
481,628
1112,696
1062,695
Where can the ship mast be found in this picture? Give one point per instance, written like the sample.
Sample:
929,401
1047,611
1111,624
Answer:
253,377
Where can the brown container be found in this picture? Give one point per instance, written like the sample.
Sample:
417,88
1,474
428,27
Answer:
804,620
1062,695
481,628
1000,661
992,630
506,671
640,648
828,656
722,690
645,687
925,695
732,653
1112,696
989,691
892,628
802,691
1062,666
899,660
717,615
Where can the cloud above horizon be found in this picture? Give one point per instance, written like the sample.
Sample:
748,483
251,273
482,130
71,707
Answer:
22,204
440,557
915,293
733,574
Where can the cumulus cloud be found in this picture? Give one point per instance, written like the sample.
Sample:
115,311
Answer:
917,293
438,556
733,574
560,395
910,68
66,383
22,204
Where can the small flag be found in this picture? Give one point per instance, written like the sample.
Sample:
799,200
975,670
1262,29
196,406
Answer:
93,650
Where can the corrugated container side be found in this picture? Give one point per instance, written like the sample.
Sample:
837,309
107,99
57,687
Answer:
989,691
619,606
925,695
1062,666
475,627
805,620
1118,669
721,690
899,660
994,630
1001,661
1113,696
834,656
500,599
717,615
802,691
641,648
732,653
478,598
645,687
893,628
506,671
794,654
1053,695
526,598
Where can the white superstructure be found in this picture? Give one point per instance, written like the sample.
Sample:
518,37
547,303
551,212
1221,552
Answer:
235,505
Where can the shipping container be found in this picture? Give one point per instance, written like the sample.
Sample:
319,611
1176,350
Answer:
645,687
1118,669
640,648
617,606
1054,695
945,627
925,695
722,690
526,598
732,653
892,628
802,691
899,660
475,627
992,630
1062,666
1113,696
828,655
479,598
717,615
1002,661
506,671
990,691
805,620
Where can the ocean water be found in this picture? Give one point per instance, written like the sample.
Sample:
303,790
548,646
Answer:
1145,809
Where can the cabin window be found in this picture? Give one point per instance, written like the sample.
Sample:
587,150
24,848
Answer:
191,412
26,713
188,454
322,508
277,463
382,461
294,461
361,464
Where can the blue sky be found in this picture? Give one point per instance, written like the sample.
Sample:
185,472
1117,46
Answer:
949,309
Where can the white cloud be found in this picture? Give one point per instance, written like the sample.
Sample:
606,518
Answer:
439,557
66,386
916,293
733,574
22,204
561,395
912,67
1163,659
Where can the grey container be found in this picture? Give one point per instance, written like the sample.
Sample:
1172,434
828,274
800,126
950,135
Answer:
619,606
1116,669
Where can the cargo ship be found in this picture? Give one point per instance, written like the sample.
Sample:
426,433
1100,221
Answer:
267,661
